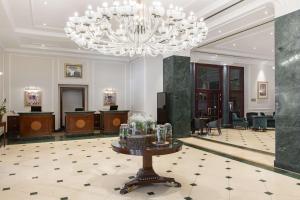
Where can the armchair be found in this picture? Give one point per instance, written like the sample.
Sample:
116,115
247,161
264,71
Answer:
199,124
239,122
215,124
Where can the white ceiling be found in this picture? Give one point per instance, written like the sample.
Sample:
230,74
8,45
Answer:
38,24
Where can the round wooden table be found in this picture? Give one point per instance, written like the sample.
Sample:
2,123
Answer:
147,175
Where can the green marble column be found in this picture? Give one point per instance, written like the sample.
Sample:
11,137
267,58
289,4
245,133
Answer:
287,80
225,99
178,84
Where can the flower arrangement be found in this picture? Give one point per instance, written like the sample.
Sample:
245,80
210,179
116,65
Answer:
141,123
2,109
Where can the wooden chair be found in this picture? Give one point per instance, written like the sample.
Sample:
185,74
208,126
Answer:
3,133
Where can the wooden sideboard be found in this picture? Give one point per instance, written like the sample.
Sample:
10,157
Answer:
111,120
36,124
80,122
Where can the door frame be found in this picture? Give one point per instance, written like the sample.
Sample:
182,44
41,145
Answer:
64,87
208,91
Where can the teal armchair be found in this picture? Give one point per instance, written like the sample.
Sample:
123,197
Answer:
238,121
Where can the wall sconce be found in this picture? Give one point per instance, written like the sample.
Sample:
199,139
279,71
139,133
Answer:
32,89
109,91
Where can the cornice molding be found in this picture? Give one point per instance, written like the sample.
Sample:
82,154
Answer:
67,54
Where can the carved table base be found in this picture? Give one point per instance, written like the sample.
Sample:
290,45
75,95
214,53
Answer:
146,176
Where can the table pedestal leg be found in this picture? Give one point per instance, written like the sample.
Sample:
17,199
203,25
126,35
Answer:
146,176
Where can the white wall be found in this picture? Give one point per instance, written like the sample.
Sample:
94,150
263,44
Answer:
136,82
1,77
137,85
153,84
253,74
146,78
47,72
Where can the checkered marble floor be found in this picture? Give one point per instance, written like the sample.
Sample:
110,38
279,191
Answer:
89,169
263,141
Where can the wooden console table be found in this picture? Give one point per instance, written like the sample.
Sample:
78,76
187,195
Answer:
36,124
80,122
147,175
111,120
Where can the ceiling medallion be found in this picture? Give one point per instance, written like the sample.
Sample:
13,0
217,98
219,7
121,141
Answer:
132,28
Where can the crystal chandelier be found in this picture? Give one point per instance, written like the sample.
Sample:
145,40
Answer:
132,28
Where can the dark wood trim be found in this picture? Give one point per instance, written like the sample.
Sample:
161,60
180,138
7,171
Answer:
63,88
220,90
209,92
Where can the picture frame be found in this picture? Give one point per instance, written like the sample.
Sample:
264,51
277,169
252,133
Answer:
110,99
262,90
73,70
32,98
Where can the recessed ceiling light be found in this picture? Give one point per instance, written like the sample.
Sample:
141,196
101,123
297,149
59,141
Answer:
44,24
272,50
234,44
266,12
1,73
45,2
273,67
254,48
43,45
271,33
216,55
220,31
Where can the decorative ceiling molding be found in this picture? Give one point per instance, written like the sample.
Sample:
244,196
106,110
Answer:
39,33
237,13
66,53
228,59
226,45
8,13
233,53
32,9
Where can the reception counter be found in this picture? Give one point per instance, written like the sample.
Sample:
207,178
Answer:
80,122
36,124
111,120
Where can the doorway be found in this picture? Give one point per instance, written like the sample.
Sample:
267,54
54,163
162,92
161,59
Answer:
71,97
208,93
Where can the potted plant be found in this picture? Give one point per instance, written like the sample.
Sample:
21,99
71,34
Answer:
2,109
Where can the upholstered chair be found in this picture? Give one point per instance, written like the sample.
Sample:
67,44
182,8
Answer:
238,121
215,124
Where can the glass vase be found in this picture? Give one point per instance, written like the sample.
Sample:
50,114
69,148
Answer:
160,134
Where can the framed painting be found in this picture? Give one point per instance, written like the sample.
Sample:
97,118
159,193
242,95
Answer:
110,99
33,98
73,70
262,90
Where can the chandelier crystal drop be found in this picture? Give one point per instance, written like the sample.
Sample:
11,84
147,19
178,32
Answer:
132,28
